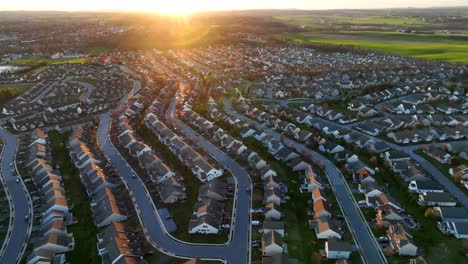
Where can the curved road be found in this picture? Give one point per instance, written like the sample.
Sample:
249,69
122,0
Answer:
20,229
369,248
234,252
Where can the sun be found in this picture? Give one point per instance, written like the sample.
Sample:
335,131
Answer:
176,7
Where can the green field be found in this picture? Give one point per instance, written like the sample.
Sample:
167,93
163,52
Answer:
451,48
19,87
358,20
84,231
36,60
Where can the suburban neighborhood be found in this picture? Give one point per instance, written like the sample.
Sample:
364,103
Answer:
231,152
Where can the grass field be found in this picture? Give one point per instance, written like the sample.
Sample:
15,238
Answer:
19,87
315,21
84,231
36,60
451,48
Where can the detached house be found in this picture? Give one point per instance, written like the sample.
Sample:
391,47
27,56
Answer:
272,244
401,241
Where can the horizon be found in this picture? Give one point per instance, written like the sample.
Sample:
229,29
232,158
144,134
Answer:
187,6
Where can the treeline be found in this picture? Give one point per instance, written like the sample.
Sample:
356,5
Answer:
6,94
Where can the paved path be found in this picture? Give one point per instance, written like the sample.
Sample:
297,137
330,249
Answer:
21,229
369,249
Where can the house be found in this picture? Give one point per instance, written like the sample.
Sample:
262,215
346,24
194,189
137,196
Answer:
459,172
367,112
247,132
39,137
370,189
214,189
317,195
438,154
382,201
269,182
453,214
285,154
425,186
401,241
323,229
298,164
205,171
115,244
272,195
171,191
266,172
272,244
106,209
337,249
207,217
369,128
206,224
159,172
272,211
378,147
273,226
330,147
126,140
255,161
387,216
436,199
56,243
459,229
320,210
310,180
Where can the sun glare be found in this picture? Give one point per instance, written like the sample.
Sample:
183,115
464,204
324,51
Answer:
176,7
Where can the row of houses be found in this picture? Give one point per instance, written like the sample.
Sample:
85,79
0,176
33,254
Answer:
170,188
117,243
208,212
323,126
323,222
53,240
204,170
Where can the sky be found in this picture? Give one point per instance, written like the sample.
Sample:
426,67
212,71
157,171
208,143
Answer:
182,6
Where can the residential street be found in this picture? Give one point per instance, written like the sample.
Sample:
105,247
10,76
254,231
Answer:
21,203
441,178
369,248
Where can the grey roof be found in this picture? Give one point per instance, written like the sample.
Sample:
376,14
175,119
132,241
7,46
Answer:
335,244
273,238
438,197
454,213
275,225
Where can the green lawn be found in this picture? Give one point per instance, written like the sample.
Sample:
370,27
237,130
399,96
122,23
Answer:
84,231
425,46
36,60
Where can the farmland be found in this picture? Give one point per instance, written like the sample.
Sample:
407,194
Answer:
451,48
37,60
